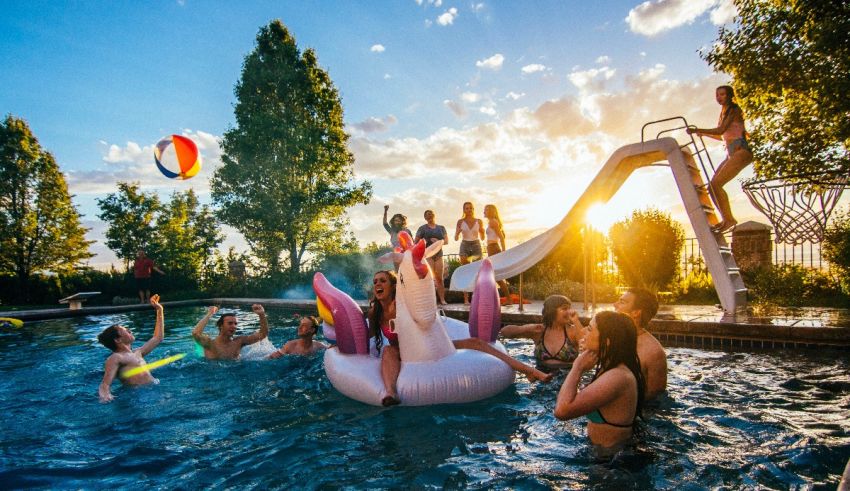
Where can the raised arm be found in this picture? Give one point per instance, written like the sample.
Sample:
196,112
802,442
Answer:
198,331
386,225
527,331
109,371
263,332
158,330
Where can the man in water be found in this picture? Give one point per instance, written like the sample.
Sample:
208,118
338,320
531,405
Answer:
642,305
227,346
119,339
304,345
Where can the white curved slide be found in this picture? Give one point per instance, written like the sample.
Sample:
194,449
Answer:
622,163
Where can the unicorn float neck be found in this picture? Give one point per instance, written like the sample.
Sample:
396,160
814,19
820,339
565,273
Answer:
421,333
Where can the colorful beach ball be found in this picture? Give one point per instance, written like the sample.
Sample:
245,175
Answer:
177,157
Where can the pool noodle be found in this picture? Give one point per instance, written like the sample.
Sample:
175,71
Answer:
150,366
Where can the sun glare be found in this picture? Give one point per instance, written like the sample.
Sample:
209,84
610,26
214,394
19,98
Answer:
601,217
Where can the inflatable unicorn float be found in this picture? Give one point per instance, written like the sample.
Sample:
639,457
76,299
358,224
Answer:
433,371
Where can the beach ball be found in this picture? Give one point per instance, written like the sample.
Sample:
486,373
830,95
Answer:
177,157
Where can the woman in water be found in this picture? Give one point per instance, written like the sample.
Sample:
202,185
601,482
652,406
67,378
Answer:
431,232
613,398
472,231
556,341
495,234
730,127
382,314
397,224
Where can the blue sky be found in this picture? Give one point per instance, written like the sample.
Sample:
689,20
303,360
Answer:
512,103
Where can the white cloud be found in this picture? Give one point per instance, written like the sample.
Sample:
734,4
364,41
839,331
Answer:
374,125
603,60
470,97
488,110
583,78
448,17
724,13
514,96
534,67
492,63
478,7
377,48
651,18
455,107
650,74
387,76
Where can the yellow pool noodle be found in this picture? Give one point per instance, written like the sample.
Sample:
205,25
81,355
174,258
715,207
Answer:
150,366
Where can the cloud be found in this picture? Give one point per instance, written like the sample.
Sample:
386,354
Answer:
492,63
377,48
514,95
455,107
534,67
488,110
477,7
374,125
653,17
470,97
584,78
448,17
603,60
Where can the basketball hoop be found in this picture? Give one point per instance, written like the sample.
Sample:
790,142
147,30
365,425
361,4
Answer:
799,205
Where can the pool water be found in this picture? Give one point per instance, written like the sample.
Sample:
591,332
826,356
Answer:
753,420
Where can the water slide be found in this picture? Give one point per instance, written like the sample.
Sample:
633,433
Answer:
621,164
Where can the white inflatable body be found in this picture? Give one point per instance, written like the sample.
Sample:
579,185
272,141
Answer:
432,370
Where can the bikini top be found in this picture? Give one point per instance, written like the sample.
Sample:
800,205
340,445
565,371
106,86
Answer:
595,416
492,234
391,336
469,233
735,131
566,354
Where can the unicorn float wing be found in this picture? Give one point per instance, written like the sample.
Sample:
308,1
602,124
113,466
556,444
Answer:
432,370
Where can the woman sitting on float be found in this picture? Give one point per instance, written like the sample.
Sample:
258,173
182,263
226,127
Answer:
429,359
612,400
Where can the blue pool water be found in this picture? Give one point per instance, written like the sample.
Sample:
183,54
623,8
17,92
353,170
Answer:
752,420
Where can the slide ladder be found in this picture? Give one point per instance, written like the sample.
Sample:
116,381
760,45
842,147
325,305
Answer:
625,160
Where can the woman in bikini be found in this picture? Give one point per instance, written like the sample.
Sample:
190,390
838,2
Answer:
472,230
556,341
495,234
612,400
382,313
730,128
431,232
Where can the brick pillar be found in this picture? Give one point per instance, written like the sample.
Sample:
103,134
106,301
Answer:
751,245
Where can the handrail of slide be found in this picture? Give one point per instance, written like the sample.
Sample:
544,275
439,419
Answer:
607,182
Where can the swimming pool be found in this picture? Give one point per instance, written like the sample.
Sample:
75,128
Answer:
762,419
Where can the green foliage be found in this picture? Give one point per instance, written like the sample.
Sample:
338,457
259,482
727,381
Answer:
697,288
40,228
181,236
791,285
836,246
130,215
646,247
286,176
790,62
568,257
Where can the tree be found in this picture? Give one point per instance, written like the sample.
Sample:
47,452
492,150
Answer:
836,246
286,177
646,247
790,62
130,214
40,228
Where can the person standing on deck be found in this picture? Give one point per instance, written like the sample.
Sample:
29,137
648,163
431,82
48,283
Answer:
143,267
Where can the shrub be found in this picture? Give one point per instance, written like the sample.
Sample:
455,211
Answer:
836,246
646,247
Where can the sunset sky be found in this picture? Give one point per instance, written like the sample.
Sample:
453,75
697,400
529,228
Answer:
512,103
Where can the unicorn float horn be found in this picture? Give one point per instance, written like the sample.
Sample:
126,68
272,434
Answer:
485,313
352,337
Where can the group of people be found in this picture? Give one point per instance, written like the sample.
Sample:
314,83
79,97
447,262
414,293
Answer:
470,230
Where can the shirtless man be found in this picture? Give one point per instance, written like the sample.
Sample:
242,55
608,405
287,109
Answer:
119,339
304,345
225,346
641,305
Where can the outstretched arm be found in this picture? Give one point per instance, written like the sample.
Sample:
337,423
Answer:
109,371
158,330
264,326
386,225
533,374
527,331
198,331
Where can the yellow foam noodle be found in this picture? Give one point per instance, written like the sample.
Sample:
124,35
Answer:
10,322
324,313
150,366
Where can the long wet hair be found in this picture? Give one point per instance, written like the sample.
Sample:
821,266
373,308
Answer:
376,310
730,102
618,344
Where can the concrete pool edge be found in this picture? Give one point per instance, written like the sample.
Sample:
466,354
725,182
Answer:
669,332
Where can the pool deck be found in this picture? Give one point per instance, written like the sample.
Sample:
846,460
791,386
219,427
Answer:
701,326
